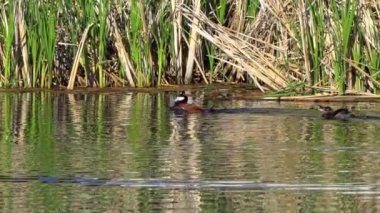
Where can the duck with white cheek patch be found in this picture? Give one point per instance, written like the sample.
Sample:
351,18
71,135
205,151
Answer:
180,103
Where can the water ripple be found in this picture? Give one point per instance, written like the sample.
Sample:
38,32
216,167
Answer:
199,184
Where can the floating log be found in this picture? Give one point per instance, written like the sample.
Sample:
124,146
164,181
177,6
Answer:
325,98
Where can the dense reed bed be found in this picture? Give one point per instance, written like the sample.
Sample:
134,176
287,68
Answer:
296,45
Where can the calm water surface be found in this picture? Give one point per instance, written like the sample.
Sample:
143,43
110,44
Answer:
127,152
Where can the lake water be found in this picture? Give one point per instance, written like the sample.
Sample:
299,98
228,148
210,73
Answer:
127,152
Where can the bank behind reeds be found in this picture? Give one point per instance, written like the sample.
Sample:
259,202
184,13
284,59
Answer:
301,45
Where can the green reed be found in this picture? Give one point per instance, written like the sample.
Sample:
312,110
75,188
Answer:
89,57
93,57
253,7
162,39
357,56
221,10
135,27
211,54
338,30
35,52
102,44
139,34
374,64
316,41
33,42
49,44
7,17
41,42
370,57
343,24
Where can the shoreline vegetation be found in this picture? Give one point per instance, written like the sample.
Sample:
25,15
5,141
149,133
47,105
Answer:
286,47
214,92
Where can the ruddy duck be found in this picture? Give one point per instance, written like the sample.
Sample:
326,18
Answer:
329,113
180,104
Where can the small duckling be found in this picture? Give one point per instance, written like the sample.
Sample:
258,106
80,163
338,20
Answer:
341,113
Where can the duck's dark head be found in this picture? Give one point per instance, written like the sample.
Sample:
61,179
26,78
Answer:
181,99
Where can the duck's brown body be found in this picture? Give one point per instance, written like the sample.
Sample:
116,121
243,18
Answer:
190,107
181,104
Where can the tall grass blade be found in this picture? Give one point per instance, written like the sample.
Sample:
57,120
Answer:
77,58
162,37
102,43
122,54
177,35
193,40
8,17
23,43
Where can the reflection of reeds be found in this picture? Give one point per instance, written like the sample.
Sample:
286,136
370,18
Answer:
182,163
135,136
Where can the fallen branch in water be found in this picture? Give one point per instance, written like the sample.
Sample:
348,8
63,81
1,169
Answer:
325,98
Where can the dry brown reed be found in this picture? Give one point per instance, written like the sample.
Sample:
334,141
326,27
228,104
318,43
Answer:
74,69
122,53
259,65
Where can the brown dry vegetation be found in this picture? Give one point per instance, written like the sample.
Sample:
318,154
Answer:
291,46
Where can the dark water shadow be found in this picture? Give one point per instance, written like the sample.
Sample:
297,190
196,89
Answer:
271,112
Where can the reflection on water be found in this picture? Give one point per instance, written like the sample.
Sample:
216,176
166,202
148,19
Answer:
128,152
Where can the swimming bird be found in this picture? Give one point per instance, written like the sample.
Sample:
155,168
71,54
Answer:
340,114
180,104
